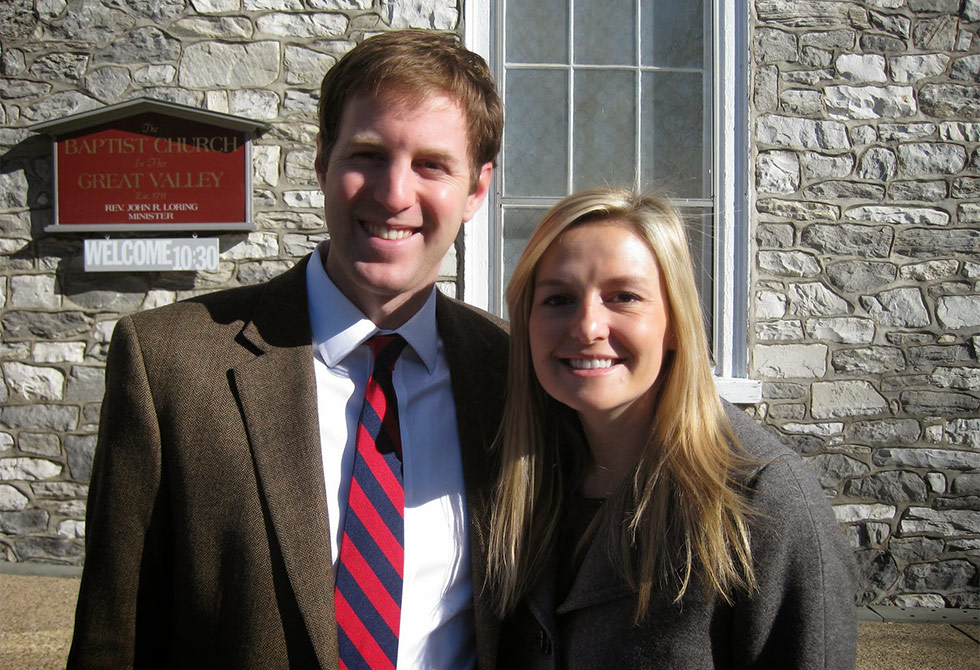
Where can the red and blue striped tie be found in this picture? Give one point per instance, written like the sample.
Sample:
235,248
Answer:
368,593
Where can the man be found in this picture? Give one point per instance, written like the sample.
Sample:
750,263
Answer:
224,466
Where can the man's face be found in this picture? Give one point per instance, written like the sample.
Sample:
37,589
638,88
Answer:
396,186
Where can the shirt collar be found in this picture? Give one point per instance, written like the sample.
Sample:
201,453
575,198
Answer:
339,327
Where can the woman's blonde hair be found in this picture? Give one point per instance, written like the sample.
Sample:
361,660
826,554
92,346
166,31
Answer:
680,514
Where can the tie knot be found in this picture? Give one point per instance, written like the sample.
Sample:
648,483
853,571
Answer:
386,349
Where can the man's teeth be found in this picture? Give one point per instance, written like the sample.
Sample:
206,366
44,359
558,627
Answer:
386,233
590,363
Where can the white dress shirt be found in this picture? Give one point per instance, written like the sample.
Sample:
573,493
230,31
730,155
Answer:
436,629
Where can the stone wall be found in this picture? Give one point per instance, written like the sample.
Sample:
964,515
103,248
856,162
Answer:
866,287
259,59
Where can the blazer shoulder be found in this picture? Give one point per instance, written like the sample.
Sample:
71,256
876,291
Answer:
227,310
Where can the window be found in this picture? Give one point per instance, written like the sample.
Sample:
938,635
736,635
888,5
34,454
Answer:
622,92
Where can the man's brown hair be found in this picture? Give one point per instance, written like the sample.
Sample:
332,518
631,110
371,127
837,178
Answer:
416,63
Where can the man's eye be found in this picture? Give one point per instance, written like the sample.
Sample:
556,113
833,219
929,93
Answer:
431,166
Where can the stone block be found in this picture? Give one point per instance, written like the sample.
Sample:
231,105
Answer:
923,159
810,13
923,191
967,379
234,66
815,299
45,325
832,470
900,307
921,242
28,469
215,27
777,172
39,444
774,235
950,100
795,133
797,210
861,68
844,330
769,331
11,499
868,360
426,14
765,90
817,166
844,190
877,570
58,352
80,450
888,487
783,391
955,131
801,102
25,522
790,360
854,513
39,417
929,271
32,382
860,276
788,263
967,484
772,45
59,490
870,102
939,403
845,239
34,292
915,549
938,34
964,432
939,576
944,459
47,549
884,432
877,164
845,399
898,215
770,305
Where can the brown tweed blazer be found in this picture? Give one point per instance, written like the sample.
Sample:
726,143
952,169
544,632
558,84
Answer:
207,536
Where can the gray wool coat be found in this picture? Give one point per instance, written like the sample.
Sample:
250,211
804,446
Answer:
802,616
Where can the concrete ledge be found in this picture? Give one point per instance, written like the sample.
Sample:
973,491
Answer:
891,614
39,569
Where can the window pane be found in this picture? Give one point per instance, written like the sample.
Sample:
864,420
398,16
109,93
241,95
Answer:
519,223
536,135
527,42
605,129
605,32
673,33
674,134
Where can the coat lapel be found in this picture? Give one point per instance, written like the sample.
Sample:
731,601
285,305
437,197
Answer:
277,392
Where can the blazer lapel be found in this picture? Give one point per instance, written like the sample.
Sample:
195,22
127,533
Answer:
277,392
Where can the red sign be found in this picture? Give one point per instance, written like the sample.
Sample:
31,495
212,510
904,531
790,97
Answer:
152,170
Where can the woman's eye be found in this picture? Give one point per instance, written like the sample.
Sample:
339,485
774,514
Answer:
625,296
556,300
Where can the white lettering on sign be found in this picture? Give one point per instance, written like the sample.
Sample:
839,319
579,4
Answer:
151,255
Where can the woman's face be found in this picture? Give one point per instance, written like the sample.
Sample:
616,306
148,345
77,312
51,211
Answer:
599,323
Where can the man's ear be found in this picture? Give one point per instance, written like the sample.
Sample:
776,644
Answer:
479,194
320,162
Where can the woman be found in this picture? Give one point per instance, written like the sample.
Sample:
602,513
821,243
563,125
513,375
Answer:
640,521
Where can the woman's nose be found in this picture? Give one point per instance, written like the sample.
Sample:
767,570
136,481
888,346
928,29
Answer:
590,322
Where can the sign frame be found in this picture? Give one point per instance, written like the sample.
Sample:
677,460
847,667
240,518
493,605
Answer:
103,119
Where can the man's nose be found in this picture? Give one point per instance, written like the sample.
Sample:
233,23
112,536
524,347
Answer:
394,187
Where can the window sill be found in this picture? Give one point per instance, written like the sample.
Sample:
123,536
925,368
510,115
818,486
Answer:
738,390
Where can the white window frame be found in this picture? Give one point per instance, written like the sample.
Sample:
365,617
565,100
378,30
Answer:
731,174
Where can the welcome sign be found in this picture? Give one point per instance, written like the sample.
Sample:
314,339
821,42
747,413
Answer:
150,165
